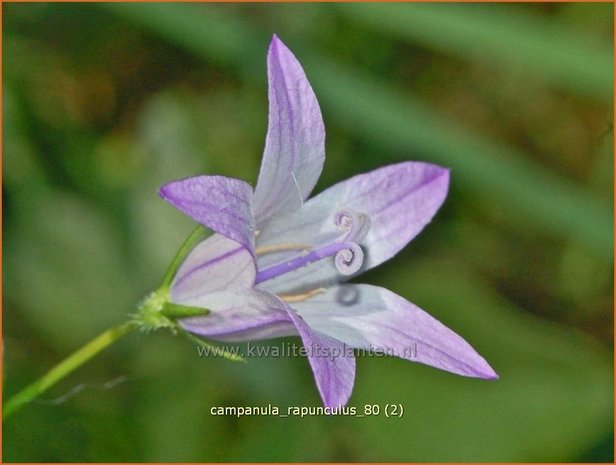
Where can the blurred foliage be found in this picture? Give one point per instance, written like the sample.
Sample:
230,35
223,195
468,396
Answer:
103,103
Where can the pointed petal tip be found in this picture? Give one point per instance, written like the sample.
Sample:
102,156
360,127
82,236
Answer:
484,371
475,366
440,175
439,171
335,405
334,400
279,52
162,191
446,174
276,44
165,191
491,375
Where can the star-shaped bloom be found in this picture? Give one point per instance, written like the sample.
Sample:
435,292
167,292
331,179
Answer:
278,264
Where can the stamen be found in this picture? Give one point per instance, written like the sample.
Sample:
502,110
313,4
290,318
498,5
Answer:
265,249
299,297
313,256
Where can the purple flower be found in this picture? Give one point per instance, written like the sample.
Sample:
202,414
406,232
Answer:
278,264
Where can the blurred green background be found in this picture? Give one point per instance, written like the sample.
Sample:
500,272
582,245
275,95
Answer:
105,102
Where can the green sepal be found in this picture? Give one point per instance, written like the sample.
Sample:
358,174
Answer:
174,311
195,237
156,312
222,351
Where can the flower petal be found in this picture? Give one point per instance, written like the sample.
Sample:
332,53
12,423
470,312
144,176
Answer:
239,316
219,203
295,142
332,363
216,264
399,200
374,318
219,275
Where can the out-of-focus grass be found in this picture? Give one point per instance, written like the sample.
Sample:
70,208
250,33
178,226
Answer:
375,110
500,37
103,103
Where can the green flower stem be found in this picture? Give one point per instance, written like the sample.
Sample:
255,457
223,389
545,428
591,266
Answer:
65,367
154,313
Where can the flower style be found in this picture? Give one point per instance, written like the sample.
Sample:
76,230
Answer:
277,264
